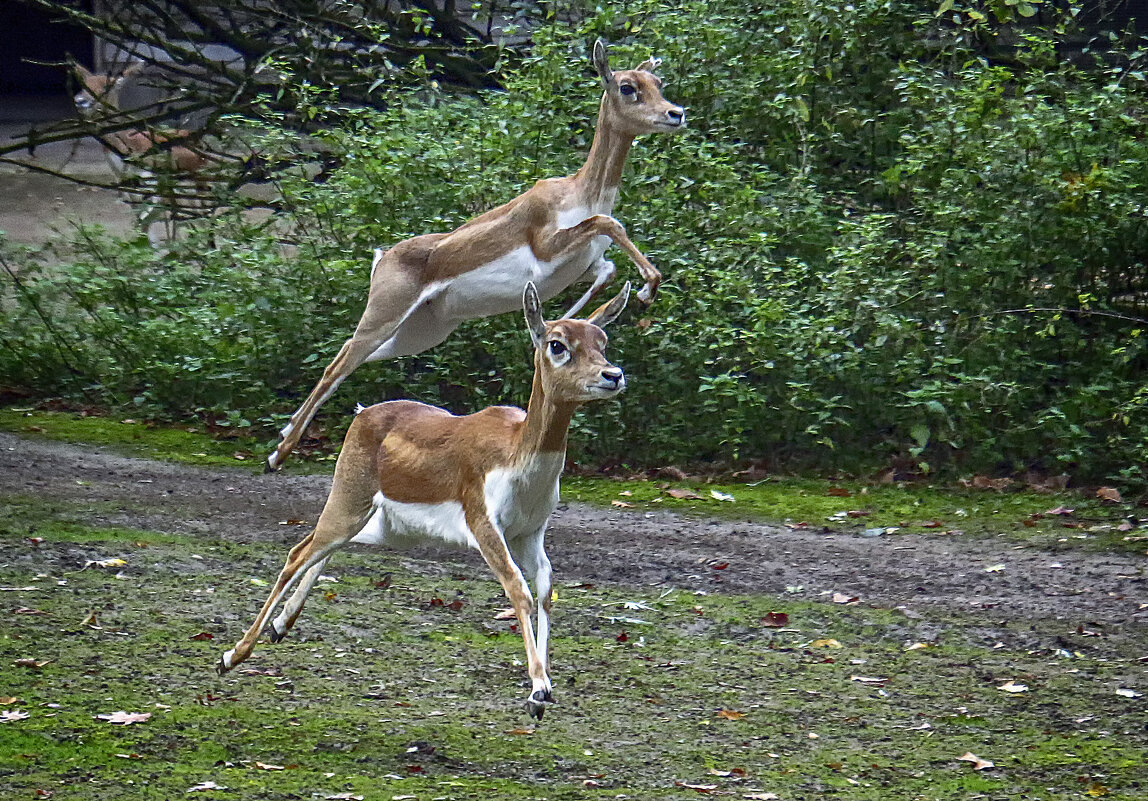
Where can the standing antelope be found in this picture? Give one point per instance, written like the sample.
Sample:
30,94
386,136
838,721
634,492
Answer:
409,472
554,235
100,95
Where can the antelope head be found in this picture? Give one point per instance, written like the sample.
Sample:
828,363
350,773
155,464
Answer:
570,355
634,97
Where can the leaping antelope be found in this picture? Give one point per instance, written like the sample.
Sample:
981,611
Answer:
554,235
409,472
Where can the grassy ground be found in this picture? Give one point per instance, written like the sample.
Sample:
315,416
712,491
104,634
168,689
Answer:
400,682
386,692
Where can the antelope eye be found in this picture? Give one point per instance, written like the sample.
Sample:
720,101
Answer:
557,348
627,90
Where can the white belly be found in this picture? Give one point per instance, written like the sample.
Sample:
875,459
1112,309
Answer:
402,524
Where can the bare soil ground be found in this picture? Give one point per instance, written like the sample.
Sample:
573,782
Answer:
33,205
629,548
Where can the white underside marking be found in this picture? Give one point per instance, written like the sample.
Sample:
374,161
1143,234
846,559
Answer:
398,524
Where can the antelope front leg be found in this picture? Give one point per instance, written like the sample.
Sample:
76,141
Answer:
604,272
494,551
565,240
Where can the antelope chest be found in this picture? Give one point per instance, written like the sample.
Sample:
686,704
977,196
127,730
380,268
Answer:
519,500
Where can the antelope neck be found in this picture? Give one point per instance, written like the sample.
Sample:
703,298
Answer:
546,426
602,171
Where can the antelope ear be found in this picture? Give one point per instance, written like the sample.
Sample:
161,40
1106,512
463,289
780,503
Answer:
608,312
602,62
650,64
532,308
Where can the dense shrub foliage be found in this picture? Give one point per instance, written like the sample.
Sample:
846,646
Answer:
878,245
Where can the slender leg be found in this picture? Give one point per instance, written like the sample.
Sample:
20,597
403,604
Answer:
294,606
347,510
530,554
394,295
554,244
604,272
497,556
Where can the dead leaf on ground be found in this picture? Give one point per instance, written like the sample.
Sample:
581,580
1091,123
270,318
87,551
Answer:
519,732
1124,692
1011,686
870,681
265,766
842,598
125,718
670,471
32,664
775,620
720,496
8,700
683,494
729,714
918,646
838,492
761,796
203,635
205,786
1110,494
115,562
701,788
984,482
344,797
1061,511
622,504
978,763
826,643
12,715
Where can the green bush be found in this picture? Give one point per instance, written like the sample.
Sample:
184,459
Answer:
878,245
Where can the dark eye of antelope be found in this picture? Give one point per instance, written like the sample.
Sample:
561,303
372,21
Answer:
627,90
557,348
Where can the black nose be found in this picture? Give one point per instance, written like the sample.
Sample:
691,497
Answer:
612,374
676,115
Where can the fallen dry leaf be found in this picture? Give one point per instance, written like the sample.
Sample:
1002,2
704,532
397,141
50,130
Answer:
265,766
1061,511
1110,494
203,635
519,732
826,643
12,715
984,482
918,646
622,504
761,796
994,568
683,494
701,788
838,492
125,718
32,664
872,681
344,797
205,786
729,714
720,496
1124,692
115,562
978,763
775,620
842,598
1011,686
8,700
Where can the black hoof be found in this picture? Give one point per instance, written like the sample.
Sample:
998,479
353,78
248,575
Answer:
221,667
536,705
275,635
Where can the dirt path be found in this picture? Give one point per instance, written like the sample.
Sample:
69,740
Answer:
617,546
